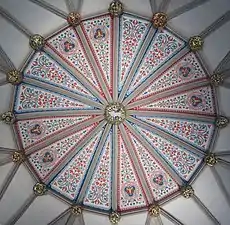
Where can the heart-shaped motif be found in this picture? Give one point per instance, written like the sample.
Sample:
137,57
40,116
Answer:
47,157
158,179
130,190
184,71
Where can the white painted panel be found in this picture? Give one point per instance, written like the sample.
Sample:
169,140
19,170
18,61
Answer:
175,4
196,20
18,191
223,141
134,7
98,6
165,221
224,173
6,136
207,189
216,46
32,16
14,43
187,211
6,92
4,170
93,218
224,94
134,219
43,210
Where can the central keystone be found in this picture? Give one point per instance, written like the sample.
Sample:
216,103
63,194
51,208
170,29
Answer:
115,113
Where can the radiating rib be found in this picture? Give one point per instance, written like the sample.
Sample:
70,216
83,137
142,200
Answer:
185,8
136,63
65,132
25,116
3,81
94,162
134,158
206,210
170,114
80,220
59,217
215,25
80,77
50,8
149,146
170,217
153,6
5,161
222,153
224,162
8,179
78,5
164,5
165,134
4,150
226,85
224,65
70,5
78,146
115,167
150,220
5,62
61,91
165,94
221,185
13,220
14,22
71,219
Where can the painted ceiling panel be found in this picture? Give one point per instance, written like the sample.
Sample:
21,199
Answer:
35,130
159,110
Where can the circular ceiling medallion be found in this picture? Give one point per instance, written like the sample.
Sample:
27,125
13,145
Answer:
112,124
115,113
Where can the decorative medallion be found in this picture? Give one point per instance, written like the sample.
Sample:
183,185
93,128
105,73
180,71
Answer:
115,113
196,100
195,43
8,117
74,19
115,101
217,79
39,189
68,46
222,122
114,217
116,8
17,157
159,20
99,33
154,210
76,210
187,191
37,42
210,159
14,77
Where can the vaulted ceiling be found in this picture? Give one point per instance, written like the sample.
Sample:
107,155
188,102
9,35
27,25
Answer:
115,117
